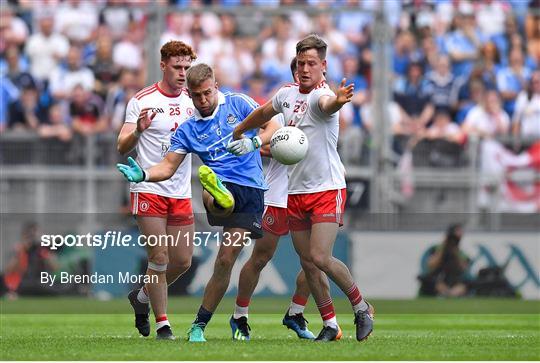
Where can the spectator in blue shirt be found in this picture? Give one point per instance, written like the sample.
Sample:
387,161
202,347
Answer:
513,79
463,44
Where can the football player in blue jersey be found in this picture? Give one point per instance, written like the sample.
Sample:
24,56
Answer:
233,186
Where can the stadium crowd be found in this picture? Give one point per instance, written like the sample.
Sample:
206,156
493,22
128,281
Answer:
460,68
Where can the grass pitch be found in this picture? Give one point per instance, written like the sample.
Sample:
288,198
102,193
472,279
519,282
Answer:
82,329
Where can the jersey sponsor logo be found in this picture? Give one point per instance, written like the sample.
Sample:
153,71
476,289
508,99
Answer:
164,148
231,119
218,150
286,104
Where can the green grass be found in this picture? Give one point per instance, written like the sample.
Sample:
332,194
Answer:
426,329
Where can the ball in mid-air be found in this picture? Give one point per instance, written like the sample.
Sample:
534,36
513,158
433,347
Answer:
289,145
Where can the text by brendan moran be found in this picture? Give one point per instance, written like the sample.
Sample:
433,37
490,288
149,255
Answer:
95,278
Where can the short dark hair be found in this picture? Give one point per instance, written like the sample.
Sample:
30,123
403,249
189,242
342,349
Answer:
294,66
312,41
197,74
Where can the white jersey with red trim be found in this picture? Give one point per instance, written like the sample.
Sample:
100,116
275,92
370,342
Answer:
154,142
276,179
321,169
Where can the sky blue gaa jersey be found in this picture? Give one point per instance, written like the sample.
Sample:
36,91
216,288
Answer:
208,138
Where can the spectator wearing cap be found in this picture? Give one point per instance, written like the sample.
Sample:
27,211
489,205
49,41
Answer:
513,79
463,45
63,79
46,48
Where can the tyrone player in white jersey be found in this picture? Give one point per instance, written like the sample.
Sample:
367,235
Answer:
316,201
163,208
275,225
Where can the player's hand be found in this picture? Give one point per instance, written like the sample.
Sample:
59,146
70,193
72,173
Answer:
344,93
244,146
145,119
132,172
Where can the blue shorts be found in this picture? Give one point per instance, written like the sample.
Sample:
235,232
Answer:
247,213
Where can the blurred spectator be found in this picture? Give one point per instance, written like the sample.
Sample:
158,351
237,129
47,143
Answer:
118,98
8,94
447,267
463,44
487,119
488,65
256,84
64,79
350,137
56,127
526,120
337,46
117,15
443,128
532,30
103,67
491,15
178,28
16,71
442,87
503,40
512,79
413,97
77,20
400,123
128,52
471,94
86,112
405,52
26,112
13,30
27,262
282,41
46,48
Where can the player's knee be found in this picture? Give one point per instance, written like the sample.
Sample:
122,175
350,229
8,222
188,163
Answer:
261,259
308,266
225,262
322,262
182,265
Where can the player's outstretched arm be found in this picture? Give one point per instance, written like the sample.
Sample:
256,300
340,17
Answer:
332,104
255,120
245,145
162,171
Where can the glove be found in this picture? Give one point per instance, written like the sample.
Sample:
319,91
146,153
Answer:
244,145
132,172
